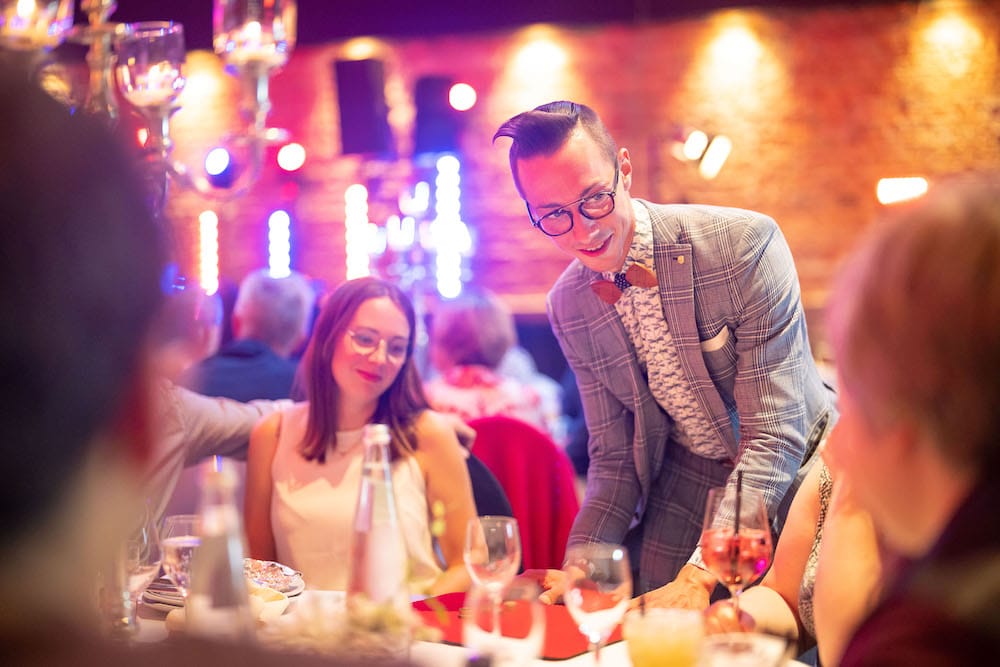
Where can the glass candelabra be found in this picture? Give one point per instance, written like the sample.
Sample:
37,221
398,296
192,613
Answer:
144,62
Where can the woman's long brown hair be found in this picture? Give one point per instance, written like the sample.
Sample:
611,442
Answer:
398,406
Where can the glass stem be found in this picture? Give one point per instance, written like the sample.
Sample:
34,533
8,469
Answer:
496,613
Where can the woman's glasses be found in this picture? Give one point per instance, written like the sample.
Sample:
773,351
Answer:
366,341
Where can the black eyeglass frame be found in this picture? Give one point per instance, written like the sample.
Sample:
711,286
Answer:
537,224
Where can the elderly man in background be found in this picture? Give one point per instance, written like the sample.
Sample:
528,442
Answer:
270,322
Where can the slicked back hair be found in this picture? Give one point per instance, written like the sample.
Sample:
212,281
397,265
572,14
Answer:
544,130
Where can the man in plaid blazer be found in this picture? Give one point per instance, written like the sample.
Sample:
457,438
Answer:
685,329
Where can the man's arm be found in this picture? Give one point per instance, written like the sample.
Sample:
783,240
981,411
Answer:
774,370
190,427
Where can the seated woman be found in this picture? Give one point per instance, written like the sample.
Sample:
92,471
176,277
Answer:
797,598
469,339
304,463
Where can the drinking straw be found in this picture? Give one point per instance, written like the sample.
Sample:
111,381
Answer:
739,493
736,522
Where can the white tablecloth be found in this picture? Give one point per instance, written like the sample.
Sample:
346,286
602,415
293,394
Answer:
152,628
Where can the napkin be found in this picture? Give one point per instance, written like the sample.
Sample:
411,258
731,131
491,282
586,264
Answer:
562,636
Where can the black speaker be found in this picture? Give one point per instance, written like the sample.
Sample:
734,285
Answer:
437,123
364,124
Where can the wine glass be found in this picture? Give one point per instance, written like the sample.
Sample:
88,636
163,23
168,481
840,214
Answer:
135,565
150,57
492,556
598,588
181,535
736,538
518,637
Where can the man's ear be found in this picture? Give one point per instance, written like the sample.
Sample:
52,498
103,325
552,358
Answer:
132,427
625,162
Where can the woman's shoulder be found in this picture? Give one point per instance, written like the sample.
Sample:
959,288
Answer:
434,430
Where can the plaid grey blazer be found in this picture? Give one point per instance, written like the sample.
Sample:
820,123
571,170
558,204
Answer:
718,269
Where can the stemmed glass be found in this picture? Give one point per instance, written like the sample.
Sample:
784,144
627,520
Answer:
255,40
136,564
598,589
492,556
736,538
518,638
150,57
180,537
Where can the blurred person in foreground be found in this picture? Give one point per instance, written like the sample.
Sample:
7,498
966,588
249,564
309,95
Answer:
469,337
270,321
82,262
304,465
685,329
914,322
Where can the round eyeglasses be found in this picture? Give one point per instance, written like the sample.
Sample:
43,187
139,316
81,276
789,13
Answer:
366,341
592,207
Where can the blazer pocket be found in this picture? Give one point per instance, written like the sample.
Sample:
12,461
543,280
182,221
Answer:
719,353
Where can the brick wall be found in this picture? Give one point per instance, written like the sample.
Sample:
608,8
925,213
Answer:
819,105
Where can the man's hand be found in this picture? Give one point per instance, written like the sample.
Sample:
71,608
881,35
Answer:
690,590
466,434
552,583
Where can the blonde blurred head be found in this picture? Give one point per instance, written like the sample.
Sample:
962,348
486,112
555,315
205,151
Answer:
915,320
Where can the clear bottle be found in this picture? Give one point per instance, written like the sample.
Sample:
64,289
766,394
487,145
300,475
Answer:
377,594
218,605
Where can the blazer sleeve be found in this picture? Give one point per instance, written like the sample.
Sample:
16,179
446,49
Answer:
613,489
776,387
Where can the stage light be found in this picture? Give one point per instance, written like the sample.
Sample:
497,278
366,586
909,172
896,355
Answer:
462,97
279,244
208,252
291,157
715,156
217,161
895,190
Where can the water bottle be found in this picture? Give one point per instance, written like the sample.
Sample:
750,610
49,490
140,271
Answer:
218,604
377,595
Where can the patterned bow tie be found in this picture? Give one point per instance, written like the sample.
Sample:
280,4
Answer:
611,290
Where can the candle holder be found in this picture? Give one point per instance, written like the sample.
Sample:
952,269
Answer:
34,26
150,55
144,62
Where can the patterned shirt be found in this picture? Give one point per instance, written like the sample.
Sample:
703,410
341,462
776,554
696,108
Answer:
642,315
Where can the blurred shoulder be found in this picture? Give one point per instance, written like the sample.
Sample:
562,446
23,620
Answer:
435,430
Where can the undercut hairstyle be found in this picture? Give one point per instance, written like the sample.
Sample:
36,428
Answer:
914,321
400,404
543,131
82,260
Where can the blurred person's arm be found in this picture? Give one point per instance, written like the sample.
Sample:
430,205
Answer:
259,487
189,427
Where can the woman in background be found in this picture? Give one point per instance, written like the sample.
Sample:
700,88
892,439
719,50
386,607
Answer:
470,338
304,463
